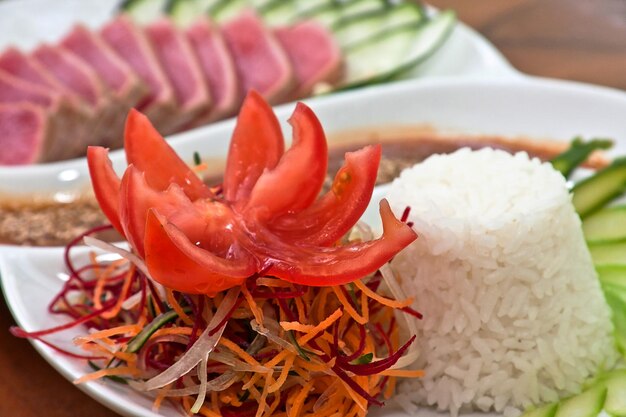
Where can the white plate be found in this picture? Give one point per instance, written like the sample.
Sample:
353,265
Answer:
26,23
533,107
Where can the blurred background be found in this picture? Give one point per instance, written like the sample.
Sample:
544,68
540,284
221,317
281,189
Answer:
582,40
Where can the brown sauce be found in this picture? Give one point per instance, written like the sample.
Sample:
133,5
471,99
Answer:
43,222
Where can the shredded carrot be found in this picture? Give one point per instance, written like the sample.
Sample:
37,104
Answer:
284,373
382,300
403,373
171,300
239,351
172,330
348,307
272,282
256,311
131,329
162,393
297,326
299,399
121,370
128,279
207,412
325,324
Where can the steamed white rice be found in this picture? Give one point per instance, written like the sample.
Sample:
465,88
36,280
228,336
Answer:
513,312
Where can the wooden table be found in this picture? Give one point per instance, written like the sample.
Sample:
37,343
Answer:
582,40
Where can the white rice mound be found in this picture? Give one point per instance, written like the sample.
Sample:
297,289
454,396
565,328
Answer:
513,311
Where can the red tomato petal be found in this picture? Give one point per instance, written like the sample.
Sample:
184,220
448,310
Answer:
105,183
150,153
324,266
257,144
137,197
298,178
178,264
332,216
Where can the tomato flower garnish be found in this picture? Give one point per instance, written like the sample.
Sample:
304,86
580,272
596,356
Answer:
269,217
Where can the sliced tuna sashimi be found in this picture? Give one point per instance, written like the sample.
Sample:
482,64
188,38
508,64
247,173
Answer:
261,62
131,44
66,124
125,86
72,73
116,74
179,63
218,69
75,75
25,133
25,67
314,55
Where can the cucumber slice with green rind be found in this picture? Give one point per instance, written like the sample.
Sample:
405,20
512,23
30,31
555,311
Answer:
614,275
396,52
280,13
144,11
545,411
596,191
618,308
587,404
612,253
184,12
358,30
606,225
227,9
358,9
615,403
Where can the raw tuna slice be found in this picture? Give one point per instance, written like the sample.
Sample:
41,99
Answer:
314,55
179,63
25,67
261,62
113,71
66,124
218,69
131,44
25,133
83,81
123,83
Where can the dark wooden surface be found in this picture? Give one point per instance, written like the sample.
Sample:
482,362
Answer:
582,40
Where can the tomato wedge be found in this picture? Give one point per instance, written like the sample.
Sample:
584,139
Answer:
336,212
257,144
298,178
178,264
150,153
105,184
315,266
137,197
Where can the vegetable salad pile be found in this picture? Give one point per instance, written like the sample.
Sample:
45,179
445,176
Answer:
248,298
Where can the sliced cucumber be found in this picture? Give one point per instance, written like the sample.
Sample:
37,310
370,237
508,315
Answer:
356,31
612,253
618,308
606,225
227,9
545,411
280,12
144,11
185,12
578,152
614,275
596,191
615,403
396,51
358,9
587,404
